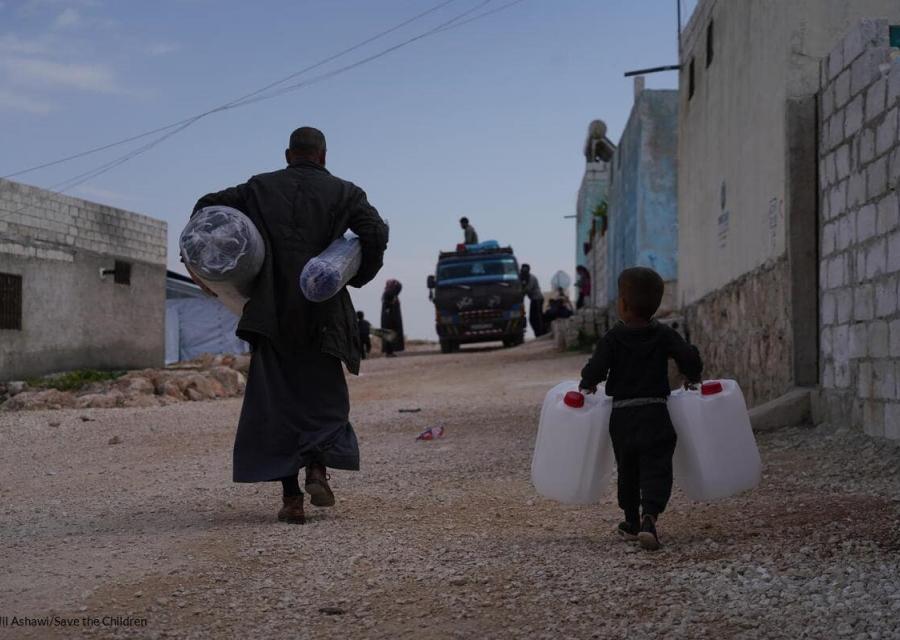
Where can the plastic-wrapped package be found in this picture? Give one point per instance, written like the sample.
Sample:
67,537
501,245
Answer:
223,248
329,272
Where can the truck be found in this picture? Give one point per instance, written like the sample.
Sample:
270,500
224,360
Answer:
477,296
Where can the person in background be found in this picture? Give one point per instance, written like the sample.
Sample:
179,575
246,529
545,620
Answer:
582,285
296,409
532,289
365,330
471,236
392,319
559,307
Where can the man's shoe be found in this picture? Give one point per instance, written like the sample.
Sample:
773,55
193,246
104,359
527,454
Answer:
647,536
292,511
320,494
628,531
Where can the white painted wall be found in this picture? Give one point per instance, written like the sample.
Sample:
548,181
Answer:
732,131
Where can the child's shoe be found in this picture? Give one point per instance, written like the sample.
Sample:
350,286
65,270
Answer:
628,531
647,536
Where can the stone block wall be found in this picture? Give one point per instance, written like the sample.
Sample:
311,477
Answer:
859,234
743,332
72,316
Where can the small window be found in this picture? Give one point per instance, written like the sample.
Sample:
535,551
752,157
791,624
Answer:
691,79
894,35
10,301
709,43
122,274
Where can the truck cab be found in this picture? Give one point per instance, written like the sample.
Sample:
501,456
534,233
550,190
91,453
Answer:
477,296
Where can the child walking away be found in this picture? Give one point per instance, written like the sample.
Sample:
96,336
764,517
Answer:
633,360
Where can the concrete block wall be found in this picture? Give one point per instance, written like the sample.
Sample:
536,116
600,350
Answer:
71,316
859,232
32,219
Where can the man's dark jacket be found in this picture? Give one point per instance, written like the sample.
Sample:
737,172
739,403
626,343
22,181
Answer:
299,211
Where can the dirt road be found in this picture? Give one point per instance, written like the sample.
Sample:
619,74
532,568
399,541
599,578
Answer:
149,538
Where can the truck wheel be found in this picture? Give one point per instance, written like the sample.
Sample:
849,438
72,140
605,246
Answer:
448,346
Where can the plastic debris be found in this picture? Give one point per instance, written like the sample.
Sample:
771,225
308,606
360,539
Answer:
331,270
432,433
417,410
222,247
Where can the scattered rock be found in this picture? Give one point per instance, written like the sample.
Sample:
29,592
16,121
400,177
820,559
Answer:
106,400
16,387
115,440
332,611
47,399
241,363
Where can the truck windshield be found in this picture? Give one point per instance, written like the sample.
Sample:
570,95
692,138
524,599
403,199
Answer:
477,268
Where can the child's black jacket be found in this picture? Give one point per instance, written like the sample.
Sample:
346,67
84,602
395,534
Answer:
634,361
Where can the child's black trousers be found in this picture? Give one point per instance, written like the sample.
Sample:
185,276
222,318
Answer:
643,441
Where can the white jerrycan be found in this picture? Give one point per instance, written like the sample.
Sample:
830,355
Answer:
716,455
573,456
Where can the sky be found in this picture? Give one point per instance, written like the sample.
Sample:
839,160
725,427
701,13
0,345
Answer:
486,120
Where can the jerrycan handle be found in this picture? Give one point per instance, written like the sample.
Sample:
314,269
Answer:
574,399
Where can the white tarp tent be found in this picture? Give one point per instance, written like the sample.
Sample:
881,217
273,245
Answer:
196,323
195,326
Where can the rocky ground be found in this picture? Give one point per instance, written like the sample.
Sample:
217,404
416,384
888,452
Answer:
206,378
130,512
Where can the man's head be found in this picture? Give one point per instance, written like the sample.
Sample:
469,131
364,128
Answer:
525,270
640,293
464,222
306,144
360,315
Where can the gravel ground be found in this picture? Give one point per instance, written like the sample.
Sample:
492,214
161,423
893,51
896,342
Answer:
442,539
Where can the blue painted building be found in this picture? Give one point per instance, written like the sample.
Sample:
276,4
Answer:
643,196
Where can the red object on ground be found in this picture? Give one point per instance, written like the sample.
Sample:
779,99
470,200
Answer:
710,388
431,433
574,399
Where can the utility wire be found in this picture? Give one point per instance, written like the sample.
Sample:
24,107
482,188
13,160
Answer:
444,26
453,23
227,105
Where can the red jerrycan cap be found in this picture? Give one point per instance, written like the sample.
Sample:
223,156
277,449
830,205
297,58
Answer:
574,399
711,388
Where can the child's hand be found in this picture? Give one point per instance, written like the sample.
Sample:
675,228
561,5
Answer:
588,390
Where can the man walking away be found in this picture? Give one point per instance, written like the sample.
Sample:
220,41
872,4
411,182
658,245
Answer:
471,237
532,289
296,405
365,330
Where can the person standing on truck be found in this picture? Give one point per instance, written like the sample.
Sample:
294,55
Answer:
296,404
532,289
392,319
471,236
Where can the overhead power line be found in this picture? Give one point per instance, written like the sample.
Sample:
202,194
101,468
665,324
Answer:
227,105
259,95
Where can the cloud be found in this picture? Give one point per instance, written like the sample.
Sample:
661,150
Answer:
68,19
162,48
17,102
44,73
12,44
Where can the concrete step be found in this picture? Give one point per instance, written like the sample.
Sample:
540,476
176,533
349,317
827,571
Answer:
792,409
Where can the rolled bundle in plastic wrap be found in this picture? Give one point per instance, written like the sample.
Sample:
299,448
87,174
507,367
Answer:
223,248
329,272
